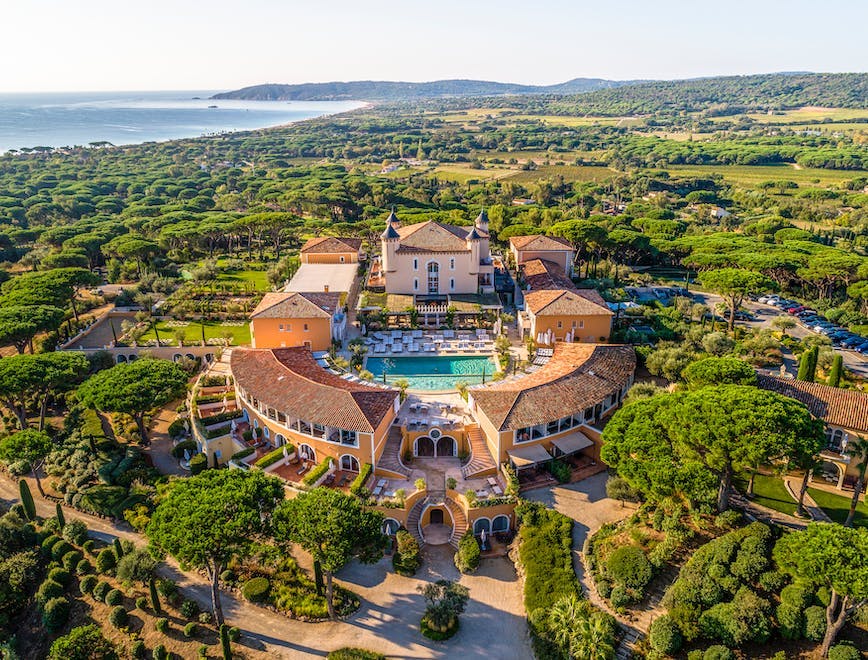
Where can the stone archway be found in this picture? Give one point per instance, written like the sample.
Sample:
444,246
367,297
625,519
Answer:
425,447
446,446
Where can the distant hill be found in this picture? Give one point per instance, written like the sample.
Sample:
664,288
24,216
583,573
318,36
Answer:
379,90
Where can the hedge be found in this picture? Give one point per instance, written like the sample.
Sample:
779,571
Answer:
185,445
354,654
313,476
198,463
244,453
545,553
467,557
273,456
256,589
358,486
227,416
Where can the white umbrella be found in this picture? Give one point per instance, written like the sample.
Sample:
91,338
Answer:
285,452
187,455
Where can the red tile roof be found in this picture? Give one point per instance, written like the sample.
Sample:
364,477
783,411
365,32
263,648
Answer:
433,236
566,302
577,377
293,305
540,242
290,380
331,245
838,407
545,274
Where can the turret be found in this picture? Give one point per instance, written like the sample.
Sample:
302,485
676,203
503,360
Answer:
474,240
390,239
482,222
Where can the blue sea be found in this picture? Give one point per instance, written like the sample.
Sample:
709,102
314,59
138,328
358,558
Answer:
68,119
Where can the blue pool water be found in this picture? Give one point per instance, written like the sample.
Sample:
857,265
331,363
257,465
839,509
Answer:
439,372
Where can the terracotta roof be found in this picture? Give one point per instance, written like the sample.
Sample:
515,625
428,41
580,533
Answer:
331,245
566,302
293,305
845,408
545,274
540,242
289,380
577,377
433,237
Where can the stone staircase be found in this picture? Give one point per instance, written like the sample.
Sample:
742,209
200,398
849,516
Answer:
414,517
390,459
459,520
481,462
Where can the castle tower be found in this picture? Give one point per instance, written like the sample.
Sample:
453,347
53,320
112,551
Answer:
474,243
390,238
481,222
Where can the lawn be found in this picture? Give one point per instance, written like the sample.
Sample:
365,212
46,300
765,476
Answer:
769,491
193,332
837,506
256,278
566,120
755,174
570,173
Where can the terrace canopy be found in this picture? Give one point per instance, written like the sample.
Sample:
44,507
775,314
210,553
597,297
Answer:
572,443
524,457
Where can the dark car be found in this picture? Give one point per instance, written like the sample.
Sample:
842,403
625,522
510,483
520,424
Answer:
852,341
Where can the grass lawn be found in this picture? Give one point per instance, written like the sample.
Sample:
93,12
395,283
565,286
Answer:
193,332
838,506
257,278
569,172
755,174
769,491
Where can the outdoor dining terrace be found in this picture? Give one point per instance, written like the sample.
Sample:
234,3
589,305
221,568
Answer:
397,342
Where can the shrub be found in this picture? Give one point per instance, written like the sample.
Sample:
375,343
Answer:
185,445
313,476
142,603
59,575
467,556
618,488
604,588
106,561
137,650
273,456
114,597
160,652
560,471
162,625
629,566
80,643
59,549
89,546
256,589
198,463
234,634
354,654
717,652
773,581
357,488
728,519
620,597
86,584
664,635
48,544
791,621
407,557
815,623
227,576
844,651
55,613
71,559
83,567
191,629
205,617
100,590
118,617
75,531
737,622
190,609
47,591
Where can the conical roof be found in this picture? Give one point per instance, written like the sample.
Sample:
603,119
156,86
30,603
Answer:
482,218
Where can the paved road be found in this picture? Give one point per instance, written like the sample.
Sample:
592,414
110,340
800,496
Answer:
764,314
388,620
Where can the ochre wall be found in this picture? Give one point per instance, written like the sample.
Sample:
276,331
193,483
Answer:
563,259
330,258
265,333
596,327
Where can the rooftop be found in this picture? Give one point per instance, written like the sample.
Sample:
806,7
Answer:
290,380
540,242
315,277
331,245
576,377
845,408
433,236
566,302
544,274
293,305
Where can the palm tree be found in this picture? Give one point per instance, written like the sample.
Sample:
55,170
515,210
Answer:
857,450
402,384
588,635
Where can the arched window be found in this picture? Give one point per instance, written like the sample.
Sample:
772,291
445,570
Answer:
481,524
255,423
279,440
121,358
391,526
306,452
349,463
266,432
500,524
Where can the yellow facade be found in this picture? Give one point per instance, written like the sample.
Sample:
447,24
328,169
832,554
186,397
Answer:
330,258
564,258
585,328
313,333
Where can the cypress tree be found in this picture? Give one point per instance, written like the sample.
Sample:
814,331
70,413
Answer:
225,643
835,371
812,364
155,597
27,500
119,549
60,518
808,365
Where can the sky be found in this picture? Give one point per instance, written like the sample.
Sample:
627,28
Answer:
90,45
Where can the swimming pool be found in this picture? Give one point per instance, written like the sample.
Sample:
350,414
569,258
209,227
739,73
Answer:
435,372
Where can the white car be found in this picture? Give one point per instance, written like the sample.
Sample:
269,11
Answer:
768,300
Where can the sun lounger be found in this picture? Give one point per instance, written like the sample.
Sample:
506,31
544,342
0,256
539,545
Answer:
397,348
449,334
413,348
377,491
428,348
497,490
380,348
396,334
491,481
319,355
417,334
382,482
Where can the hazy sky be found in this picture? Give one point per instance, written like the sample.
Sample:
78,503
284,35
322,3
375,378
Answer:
60,45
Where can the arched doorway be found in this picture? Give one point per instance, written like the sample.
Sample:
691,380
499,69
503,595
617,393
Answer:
433,277
391,526
349,463
446,446
436,516
424,446
121,358
306,452
500,524
480,525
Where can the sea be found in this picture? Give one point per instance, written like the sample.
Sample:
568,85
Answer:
80,118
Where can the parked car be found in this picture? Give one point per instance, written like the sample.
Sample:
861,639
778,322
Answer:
769,299
795,310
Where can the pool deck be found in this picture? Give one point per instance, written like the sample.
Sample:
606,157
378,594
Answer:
417,376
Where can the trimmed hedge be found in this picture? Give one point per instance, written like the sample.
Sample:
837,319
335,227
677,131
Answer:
256,589
198,463
545,553
313,476
354,654
357,488
273,456
118,617
244,453
55,614
468,554
186,445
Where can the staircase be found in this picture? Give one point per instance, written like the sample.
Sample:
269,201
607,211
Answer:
459,521
413,520
390,460
481,462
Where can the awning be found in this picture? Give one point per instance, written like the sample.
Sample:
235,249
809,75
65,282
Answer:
527,456
572,442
